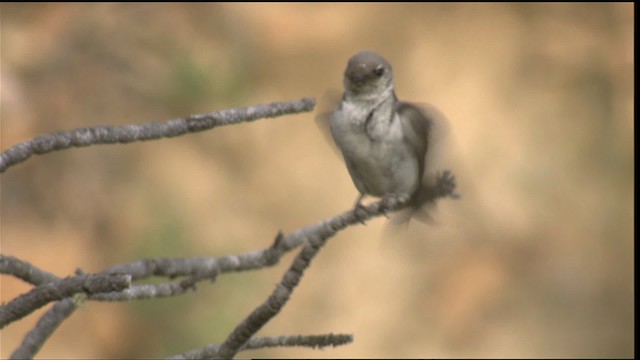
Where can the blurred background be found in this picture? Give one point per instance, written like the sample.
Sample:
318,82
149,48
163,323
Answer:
535,260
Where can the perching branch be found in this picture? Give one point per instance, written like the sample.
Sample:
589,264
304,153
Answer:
150,131
199,268
117,279
314,238
276,301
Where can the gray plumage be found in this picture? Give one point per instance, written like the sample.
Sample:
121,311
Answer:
384,141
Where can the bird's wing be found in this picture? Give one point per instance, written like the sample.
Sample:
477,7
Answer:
428,128
426,131
329,103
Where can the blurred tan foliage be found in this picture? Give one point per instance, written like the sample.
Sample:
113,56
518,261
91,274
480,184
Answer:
535,260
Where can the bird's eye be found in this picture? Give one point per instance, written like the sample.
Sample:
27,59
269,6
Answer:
379,70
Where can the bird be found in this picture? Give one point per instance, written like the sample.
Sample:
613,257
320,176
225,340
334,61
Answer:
386,143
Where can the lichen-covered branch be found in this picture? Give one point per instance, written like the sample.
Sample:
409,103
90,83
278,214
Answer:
24,270
276,301
61,140
195,269
47,324
58,290
312,341
114,283
152,291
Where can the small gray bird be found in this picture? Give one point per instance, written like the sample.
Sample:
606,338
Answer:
385,142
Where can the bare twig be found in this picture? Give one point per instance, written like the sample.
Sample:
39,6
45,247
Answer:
312,341
200,268
172,267
113,284
130,133
58,290
272,306
47,324
23,270
151,291
206,267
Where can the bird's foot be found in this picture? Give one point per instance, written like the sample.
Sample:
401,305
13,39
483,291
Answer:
360,213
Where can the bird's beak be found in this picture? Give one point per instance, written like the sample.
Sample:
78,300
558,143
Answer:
355,78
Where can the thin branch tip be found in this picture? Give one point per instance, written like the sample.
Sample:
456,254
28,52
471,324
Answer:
94,135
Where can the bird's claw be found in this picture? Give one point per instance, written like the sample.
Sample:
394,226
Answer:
360,213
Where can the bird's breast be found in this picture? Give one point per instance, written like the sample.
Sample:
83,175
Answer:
377,157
